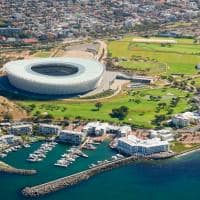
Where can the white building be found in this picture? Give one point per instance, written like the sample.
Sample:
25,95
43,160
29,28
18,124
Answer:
164,134
71,137
185,119
124,130
20,129
65,75
48,129
96,128
132,145
121,131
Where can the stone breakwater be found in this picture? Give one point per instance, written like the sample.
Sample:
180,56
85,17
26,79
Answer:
74,179
5,168
71,180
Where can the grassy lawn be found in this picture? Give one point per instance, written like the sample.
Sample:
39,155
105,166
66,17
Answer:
42,54
197,82
178,147
172,48
145,66
180,58
140,113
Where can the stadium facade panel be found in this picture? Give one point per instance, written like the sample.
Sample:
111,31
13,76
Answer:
55,76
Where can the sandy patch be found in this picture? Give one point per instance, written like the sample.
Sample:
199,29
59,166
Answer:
78,54
188,146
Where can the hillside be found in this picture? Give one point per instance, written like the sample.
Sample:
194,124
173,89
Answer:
11,110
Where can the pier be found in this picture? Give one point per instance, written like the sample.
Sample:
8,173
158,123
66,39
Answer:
74,179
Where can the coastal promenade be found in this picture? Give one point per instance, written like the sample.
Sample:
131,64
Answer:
74,179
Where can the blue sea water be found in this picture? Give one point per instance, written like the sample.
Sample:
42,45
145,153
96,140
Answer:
173,179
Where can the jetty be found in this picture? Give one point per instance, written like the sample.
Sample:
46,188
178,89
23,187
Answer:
5,168
74,179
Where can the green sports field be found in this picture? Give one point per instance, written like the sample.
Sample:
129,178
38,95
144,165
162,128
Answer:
154,59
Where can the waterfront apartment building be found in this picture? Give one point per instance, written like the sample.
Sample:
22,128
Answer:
71,137
96,128
48,129
20,129
120,131
132,145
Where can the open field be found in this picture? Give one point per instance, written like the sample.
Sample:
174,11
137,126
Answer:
42,54
179,58
141,112
178,147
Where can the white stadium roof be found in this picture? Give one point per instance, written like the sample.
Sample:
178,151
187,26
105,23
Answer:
22,75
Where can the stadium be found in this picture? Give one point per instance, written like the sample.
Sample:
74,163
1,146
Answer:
55,76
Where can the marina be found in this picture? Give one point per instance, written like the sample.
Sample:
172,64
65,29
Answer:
40,154
13,149
89,146
157,177
70,156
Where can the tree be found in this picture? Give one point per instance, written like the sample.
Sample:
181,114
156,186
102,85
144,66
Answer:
120,112
49,116
170,111
98,105
66,118
158,119
37,113
162,105
138,101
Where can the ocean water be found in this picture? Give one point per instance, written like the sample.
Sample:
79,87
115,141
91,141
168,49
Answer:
174,179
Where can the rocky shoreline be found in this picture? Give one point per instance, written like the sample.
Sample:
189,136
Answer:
5,168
